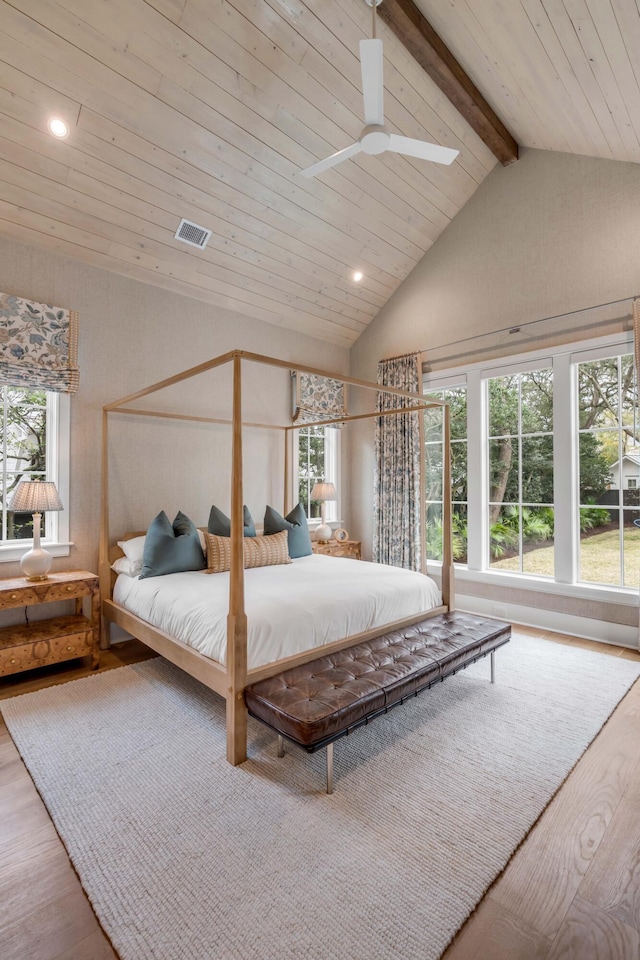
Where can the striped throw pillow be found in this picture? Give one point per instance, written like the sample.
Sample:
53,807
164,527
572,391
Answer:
258,551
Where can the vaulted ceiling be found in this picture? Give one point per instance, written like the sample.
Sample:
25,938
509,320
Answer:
207,109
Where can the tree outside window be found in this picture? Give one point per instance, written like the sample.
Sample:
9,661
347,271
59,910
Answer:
520,447
23,449
311,466
456,397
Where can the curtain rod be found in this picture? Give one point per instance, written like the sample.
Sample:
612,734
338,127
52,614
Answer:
516,328
401,356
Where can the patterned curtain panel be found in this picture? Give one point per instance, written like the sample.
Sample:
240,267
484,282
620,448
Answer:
396,535
38,345
636,354
318,398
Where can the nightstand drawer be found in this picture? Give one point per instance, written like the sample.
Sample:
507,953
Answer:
32,645
18,598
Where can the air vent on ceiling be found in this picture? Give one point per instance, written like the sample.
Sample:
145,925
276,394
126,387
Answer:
192,234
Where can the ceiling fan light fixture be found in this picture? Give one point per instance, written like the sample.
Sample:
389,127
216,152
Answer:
374,140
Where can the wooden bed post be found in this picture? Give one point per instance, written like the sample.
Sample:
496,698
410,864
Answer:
287,472
104,569
448,595
237,618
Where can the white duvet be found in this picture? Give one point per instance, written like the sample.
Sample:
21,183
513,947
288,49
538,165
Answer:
290,608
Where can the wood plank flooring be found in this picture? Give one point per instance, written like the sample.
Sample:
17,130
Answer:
572,891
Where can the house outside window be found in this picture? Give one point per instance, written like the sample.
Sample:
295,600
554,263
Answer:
553,450
34,444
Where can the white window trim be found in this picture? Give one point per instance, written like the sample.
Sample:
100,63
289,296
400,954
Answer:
55,536
563,358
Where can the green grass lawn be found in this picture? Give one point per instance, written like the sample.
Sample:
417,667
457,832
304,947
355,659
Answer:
599,559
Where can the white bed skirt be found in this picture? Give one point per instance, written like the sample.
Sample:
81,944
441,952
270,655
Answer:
290,609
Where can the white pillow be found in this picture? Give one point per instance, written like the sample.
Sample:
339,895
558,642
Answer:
133,552
123,565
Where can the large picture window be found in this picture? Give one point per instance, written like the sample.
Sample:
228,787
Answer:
520,462
609,448
34,444
548,485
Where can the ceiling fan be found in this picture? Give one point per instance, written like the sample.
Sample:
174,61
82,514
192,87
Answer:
375,138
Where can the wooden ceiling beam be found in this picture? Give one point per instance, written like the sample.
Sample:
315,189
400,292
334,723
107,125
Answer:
435,58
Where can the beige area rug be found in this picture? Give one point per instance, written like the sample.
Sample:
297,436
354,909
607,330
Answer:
187,858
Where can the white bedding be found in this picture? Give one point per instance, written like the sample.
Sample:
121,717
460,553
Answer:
290,608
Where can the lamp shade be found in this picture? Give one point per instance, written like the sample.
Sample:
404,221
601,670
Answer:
35,496
324,491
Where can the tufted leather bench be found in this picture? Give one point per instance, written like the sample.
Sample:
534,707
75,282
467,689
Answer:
317,703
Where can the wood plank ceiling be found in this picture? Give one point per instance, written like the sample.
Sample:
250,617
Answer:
208,109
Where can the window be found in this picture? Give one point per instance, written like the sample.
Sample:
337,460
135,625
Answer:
318,453
456,397
520,462
34,443
608,450
545,470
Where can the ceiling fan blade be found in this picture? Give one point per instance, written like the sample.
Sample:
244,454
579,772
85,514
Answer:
372,86
331,161
421,149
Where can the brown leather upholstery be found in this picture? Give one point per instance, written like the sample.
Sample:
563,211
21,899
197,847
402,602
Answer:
316,703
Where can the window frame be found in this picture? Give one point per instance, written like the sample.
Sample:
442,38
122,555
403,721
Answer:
55,535
563,360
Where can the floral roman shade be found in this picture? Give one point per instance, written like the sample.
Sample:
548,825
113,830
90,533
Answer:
396,533
38,345
318,398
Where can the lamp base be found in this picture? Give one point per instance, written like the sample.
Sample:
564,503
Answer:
36,563
323,533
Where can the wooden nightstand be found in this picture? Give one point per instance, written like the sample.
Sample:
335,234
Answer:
348,548
24,646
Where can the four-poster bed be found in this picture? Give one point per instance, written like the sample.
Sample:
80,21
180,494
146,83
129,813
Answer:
230,679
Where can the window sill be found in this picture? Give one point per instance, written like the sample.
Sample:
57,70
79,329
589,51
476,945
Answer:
12,553
627,596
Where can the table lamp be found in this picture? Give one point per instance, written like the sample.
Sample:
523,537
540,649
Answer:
35,496
323,492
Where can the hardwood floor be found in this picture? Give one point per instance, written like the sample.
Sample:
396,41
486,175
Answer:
44,914
571,892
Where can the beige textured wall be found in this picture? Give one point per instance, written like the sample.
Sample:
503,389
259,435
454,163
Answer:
132,335
547,235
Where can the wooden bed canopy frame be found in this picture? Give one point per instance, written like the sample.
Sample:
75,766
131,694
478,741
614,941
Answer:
230,681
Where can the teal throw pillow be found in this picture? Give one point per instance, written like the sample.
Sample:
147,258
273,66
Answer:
220,525
171,548
295,523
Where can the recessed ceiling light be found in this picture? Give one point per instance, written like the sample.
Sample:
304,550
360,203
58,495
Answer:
357,276
58,127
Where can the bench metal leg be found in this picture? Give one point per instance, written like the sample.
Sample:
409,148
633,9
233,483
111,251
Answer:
330,768
280,745
493,666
